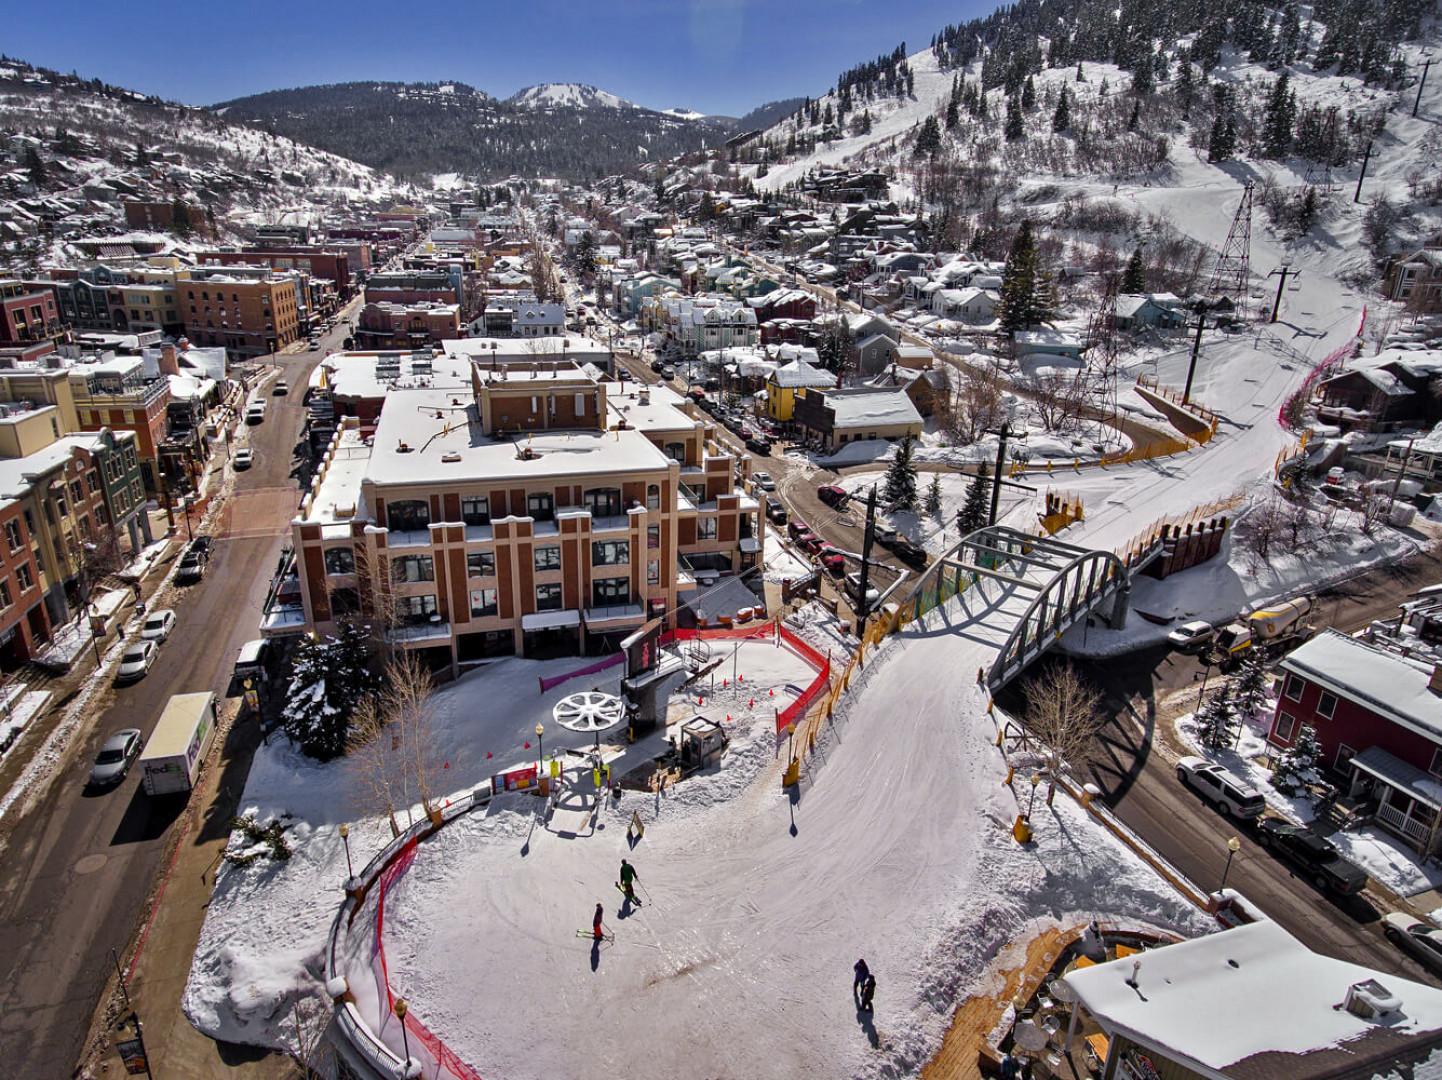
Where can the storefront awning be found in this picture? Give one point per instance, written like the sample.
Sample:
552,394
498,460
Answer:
1399,774
615,615
550,620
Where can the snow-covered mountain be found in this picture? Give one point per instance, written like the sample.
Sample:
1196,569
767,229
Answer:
73,150
570,96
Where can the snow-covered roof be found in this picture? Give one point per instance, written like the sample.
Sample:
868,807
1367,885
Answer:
1255,995
861,406
1382,682
799,373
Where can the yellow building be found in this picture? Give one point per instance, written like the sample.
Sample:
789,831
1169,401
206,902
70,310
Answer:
781,387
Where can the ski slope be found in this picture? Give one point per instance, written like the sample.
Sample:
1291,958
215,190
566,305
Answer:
739,964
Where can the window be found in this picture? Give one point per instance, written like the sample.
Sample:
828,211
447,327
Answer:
413,568
653,496
101,515
1285,728
415,609
653,537
77,491
24,577
676,451
606,592
610,552
339,561
1294,688
1436,767
476,510
706,528
29,522
408,515
1326,705
653,572
483,603
13,535
5,594
548,598
541,505
481,564
604,502
548,558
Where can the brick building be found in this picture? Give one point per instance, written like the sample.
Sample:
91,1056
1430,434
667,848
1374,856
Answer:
29,314
24,625
399,326
249,311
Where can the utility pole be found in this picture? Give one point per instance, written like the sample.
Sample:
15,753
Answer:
866,538
1426,67
1283,271
1401,472
1005,434
1366,157
1196,351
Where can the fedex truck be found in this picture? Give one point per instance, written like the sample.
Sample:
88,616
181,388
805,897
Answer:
178,744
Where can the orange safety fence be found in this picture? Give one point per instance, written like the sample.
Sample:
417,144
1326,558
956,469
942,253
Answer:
1140,543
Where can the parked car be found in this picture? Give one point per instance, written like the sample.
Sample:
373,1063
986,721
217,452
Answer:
192,567
832,561
1411,935
136,661
1313,856
1225,790
668,372
255,412
775,511
758,445
158,625
657,366
281,388
796,527
832,495
244,458
914,555
811,543
763,481
116,756
1192,637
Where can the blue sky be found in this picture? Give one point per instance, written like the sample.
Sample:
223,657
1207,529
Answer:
718,56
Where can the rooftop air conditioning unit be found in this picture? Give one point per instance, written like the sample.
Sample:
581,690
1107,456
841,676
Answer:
1370,1000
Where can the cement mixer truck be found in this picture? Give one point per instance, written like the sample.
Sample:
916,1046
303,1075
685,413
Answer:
1266,627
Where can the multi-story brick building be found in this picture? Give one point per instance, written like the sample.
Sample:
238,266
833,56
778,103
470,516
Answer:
400,326
28,314
331,264
117,394
536,514
250,311
24,625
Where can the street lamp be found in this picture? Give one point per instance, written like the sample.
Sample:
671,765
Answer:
540,744
1035,782
345,839
401,1008
1233,846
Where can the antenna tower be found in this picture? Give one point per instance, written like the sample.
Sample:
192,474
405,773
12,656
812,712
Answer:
1234,261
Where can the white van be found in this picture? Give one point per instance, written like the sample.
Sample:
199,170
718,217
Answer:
255,412
250,661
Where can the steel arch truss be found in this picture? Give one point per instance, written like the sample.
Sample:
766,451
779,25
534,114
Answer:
1069,583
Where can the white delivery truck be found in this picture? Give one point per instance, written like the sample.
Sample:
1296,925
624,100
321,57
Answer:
178,744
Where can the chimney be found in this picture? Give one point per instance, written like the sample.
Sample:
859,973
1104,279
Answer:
169,365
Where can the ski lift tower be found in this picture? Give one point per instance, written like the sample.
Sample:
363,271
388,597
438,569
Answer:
1234,262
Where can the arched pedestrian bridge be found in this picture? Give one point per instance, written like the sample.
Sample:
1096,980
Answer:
1042,588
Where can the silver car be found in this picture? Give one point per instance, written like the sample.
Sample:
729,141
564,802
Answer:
1421,939
116,757
136,661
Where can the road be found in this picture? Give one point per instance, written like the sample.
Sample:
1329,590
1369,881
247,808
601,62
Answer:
1136,766
79,866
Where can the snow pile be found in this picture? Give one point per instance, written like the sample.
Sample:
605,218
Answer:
781,563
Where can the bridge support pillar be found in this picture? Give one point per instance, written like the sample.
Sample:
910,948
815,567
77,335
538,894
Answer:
1120,605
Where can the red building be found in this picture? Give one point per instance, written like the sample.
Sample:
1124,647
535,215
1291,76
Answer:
785,304
28,314
1378,718
407,326
24,626
318,262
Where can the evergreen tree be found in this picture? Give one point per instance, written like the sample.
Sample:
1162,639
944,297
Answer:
1061,119
1022,299
951,115
1249,688
1307,210
1280,118
180,222
1217,719
1297,765
1218,145
1028,95
586,251
928,139
1134,277
1136,117
1015,128
933,495
975,508
900,487
35,165
327,679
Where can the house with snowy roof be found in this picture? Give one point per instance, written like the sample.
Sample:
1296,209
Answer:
1251,1003
1377,715
1136,311
1047,342
832,418
1383,392
797,376
968,304
1414,278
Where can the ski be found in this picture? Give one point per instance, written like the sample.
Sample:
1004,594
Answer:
592,936
635,900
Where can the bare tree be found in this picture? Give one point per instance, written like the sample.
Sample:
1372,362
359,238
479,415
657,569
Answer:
1062,713
1262,525
1058,397
976,406
391,745
313,1055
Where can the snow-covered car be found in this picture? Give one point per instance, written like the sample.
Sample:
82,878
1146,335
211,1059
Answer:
1192,637
136,661
1224,789
158,625
1336,476
244,458
763,481
115,758
1421,939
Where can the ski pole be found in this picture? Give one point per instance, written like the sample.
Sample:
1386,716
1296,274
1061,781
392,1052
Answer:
644,890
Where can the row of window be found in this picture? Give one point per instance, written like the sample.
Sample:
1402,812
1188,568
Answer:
413,568
605,592
24,581
414,515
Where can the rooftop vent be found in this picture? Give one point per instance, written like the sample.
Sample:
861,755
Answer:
402,447
1370,1000
450,457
